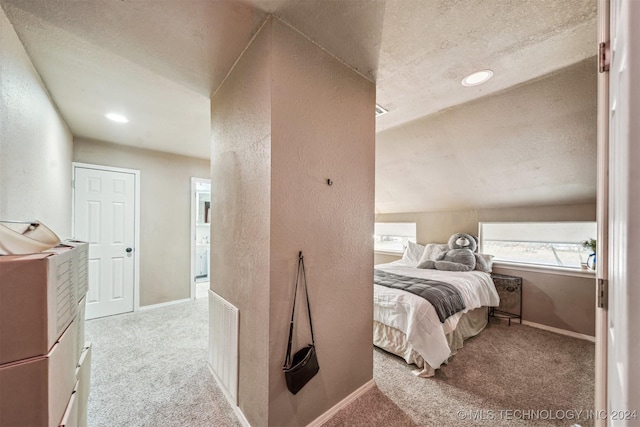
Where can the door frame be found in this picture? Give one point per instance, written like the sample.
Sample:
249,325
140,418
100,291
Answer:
136,215
194,213
602,218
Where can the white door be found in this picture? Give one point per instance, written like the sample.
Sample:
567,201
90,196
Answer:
623,372
104,215
601,318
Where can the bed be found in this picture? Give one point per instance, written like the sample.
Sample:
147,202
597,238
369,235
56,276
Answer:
409,326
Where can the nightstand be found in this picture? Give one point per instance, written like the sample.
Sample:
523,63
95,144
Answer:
510,292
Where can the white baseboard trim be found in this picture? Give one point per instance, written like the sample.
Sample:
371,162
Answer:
236,409
560,331
315,423
164,304
342,404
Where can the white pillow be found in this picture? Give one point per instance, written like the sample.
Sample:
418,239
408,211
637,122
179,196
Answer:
489,259
432,251
412,253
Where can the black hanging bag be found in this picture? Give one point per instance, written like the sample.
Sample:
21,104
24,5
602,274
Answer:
304,364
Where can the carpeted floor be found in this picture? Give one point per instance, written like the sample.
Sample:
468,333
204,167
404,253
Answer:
149,369
507,376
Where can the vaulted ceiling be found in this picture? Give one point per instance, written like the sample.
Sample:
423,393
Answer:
158,61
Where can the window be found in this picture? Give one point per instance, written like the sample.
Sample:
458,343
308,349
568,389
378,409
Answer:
541,243
393,236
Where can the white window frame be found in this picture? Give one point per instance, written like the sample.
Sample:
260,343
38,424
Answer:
405,231
544,233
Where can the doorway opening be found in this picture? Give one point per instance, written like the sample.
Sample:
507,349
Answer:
200,236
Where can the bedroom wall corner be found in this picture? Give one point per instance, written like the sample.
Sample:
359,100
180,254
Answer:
35,142
558,301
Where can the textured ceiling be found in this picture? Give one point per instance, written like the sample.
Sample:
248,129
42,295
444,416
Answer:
533,144
429,46
158,61
350,29
154,61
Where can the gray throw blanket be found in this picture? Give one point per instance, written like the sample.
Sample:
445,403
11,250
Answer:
445,298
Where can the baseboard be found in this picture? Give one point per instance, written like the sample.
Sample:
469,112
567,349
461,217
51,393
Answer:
560,331
164,304
315,423
236,409
365,387
342,404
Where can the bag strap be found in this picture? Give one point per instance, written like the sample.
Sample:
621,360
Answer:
287,360
306,292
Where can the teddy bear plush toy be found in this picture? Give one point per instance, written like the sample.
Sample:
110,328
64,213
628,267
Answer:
461,255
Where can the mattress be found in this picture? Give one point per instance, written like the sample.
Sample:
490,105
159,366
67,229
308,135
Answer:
395,341
417,319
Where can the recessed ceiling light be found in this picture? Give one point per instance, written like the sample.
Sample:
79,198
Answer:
477,78
119,118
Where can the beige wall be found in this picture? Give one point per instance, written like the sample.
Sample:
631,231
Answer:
35,143
559,301
323,127
165,209
383,258
310,118
436,227
240,213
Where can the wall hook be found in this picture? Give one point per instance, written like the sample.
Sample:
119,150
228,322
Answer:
329,182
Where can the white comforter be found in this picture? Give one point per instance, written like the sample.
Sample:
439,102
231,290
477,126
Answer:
417,318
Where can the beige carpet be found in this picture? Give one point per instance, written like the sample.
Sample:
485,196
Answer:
149,369
507,376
